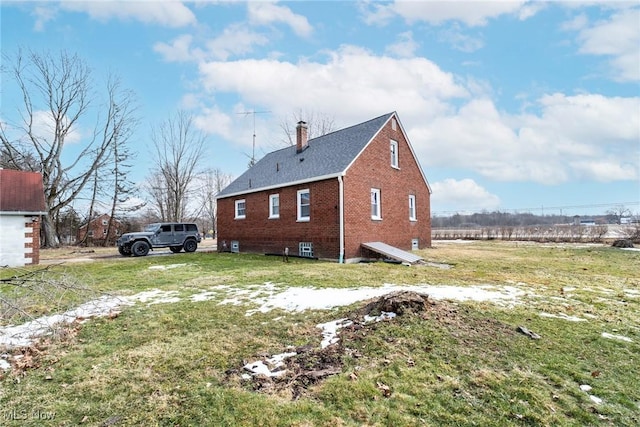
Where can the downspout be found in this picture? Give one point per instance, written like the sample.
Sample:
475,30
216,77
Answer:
341,213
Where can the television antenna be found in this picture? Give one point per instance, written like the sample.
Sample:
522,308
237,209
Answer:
253,151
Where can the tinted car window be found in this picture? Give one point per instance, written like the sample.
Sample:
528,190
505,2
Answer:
178,227
166,228
192,227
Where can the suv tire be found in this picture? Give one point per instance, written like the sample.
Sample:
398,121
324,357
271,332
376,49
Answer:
123,251
190,245
140,248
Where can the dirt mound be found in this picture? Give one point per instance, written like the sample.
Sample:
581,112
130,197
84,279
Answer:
400,302
622,243
298,370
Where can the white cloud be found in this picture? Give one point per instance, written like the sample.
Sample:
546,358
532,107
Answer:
337,86
44,128
460,195
167,13
179,50
459,40
215,122
265,13
472,12
236,39
570,138
617,37
43,15
405,47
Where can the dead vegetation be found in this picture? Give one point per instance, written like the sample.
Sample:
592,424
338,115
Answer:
27,294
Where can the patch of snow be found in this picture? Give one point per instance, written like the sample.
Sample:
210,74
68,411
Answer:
616,337
631,293
261,368
155,296
585,387
301,299
595,399
384,315
630,249
166,267
4,365
330,331
23,335
563,316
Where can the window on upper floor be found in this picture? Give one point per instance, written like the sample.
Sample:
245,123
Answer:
274,206
412,207
240,209
394,124
304,205
376,211
393,145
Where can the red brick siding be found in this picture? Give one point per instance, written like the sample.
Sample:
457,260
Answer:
373,170
258,233
98,229
35,242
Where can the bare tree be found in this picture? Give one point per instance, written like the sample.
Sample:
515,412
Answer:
317,124
618,212
212,181
179,146
56,97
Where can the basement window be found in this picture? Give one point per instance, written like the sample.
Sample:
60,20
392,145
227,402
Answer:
240,209
305,249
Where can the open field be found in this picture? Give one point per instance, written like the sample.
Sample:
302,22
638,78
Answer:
180,333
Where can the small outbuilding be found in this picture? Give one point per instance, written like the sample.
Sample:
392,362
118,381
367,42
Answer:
22,205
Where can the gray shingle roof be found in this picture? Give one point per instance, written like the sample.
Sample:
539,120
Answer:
326,156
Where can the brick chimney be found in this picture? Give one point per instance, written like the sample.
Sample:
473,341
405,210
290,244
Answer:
301,136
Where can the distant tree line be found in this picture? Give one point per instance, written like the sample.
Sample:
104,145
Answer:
497,218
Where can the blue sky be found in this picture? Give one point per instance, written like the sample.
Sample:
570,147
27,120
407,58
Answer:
509,105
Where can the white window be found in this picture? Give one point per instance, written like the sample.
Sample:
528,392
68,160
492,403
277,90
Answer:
375,204
274,206
241,209
394,124
304,205
393,145
412,207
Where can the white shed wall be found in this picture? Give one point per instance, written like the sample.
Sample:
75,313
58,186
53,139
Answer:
13,240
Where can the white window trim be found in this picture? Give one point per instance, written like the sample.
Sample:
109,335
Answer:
273,197
395,160
237,216
300,217
378,215
413,216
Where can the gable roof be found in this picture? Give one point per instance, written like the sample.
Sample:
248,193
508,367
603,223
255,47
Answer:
21,193
326,156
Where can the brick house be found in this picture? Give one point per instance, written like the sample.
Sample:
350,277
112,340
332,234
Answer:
326,196
21,207
98,229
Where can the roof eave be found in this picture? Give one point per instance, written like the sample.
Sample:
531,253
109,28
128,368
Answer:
286,184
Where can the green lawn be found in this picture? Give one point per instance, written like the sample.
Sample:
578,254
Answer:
458,363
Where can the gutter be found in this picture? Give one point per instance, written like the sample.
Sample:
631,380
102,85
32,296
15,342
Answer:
341,208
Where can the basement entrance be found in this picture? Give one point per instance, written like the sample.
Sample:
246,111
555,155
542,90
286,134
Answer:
392,252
